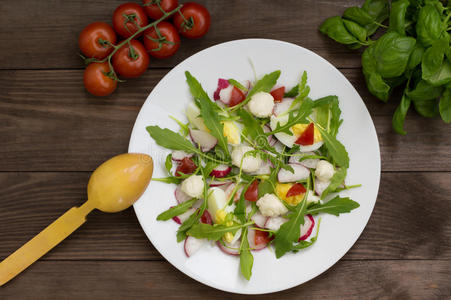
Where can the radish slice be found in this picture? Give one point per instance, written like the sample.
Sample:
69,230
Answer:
259,219
308,163
176,219
320,186
300,173
307,228
228,191
271,139
179,155
180,195
310,148
202,138
230,248
282,106
220,184
222,84
251,239
221,171
279,146
183,217
274,223
264,169
192,245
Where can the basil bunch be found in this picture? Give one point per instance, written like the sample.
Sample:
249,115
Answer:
414,52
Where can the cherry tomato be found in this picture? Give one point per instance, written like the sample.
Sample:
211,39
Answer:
123,18
195,21
307,137
154,12
186,166
251,193
295,190
278,94
206,218
96,82
261,237
236,97
93,40
170,40
131,64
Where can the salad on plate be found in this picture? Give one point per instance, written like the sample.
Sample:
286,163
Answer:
254,167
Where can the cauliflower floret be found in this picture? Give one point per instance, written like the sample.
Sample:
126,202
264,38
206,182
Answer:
271,206
193,186
261,104
324,170
250,163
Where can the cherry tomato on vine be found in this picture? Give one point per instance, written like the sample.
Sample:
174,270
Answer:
125,16
95,39
195,21
164,46
131,63
96,81
154,12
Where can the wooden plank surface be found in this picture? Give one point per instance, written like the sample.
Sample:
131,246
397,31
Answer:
387,279
47,121
50,40
404,224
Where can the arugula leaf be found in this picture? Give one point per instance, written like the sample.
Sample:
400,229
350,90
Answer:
336,149
213,232
305,244
335,182
169,179
237,84
246,258
289,232
189,223
168,163
264,187
240,208
293,92
328,114
176,210
263,85
208,110
170,139
253,127
184,129
335,207
301,117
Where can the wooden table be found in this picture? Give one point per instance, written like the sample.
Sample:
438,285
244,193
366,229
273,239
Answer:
53,135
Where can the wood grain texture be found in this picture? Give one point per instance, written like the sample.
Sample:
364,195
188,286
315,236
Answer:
44,34
49,123
158,280
407,222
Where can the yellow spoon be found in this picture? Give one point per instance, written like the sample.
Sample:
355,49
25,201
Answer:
114,186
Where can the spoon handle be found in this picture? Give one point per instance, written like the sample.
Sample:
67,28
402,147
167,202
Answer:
51,236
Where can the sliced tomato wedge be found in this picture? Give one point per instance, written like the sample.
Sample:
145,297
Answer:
295,190
278,94
236,97
186,166
307,137
262,237
251,193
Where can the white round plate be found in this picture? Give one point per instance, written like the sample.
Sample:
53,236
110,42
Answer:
337,234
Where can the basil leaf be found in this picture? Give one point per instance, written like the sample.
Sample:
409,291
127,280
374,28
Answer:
445,106
237,84
336,180
398,16
355,29
208,112
377,86
358,15
435,69
400,115
170,140
246,258
176,210
427,108
379,10
424,91
336,30
212,232
429,25
415,57
335,207
335,149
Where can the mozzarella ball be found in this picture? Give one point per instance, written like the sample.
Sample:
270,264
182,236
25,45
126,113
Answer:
250,163
324,170
271,206
261,104
193,186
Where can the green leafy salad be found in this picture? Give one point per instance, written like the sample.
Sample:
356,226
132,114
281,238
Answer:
254,167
